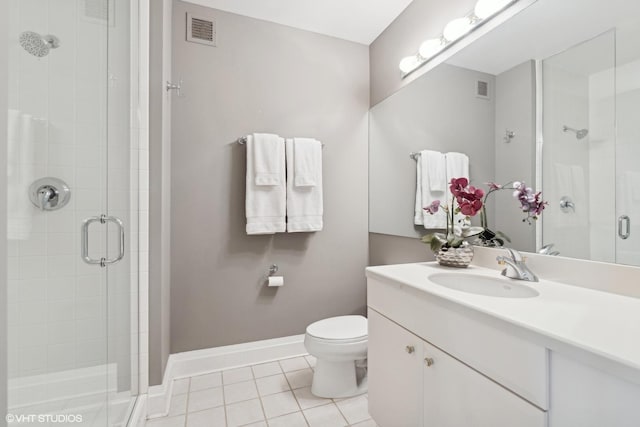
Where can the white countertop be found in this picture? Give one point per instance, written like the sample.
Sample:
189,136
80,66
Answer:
603,324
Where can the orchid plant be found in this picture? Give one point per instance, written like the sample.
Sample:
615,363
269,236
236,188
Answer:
531,203
469,201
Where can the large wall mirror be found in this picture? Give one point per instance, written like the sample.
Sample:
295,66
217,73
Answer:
561,113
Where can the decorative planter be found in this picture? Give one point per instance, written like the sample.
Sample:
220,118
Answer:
455,257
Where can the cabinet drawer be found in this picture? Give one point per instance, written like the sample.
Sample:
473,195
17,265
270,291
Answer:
480,341
456,395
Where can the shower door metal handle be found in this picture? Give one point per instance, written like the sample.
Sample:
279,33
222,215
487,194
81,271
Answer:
84,240
120,226
627,231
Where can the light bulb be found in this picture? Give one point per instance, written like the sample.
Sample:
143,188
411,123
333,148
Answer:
409,63
486,8
430,48
457,28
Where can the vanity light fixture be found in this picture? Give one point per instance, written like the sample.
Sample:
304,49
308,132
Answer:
454,31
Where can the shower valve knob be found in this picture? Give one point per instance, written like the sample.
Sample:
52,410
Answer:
48,194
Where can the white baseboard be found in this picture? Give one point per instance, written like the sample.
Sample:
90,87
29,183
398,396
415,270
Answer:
191,363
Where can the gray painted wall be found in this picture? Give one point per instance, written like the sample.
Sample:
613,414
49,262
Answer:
439,111
385,249
515,110
159,190
4,77
263,77
421,20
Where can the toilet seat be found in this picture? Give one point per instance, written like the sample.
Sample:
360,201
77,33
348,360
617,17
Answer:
339,330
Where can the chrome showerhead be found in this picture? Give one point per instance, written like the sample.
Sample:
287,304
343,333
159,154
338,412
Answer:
580,133
37,45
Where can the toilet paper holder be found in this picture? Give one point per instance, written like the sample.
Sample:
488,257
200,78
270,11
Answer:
273,269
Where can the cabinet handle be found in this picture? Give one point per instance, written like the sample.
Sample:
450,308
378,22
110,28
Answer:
429,361
410,349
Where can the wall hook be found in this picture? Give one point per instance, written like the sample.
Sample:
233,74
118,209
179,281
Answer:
177,87
509,135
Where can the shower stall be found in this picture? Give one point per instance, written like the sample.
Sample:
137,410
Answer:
591,152
77,186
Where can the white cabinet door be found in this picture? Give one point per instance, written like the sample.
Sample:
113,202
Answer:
587,397
395,374
456,395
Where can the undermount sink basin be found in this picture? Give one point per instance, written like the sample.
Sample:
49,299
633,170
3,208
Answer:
483,285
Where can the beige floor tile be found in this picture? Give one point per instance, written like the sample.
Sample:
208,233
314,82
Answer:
238,392
325,416
293,364
241,413
237,375
266,369
214,417
202,382
279,404
307,400
273,384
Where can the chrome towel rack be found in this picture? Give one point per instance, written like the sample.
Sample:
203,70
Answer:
414,156
243,140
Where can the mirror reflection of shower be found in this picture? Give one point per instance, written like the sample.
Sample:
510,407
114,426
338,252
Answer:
580,133
37,45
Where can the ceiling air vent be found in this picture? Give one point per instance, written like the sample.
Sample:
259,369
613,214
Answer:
201,30
482,89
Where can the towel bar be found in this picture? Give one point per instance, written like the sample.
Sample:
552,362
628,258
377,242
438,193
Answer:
243,140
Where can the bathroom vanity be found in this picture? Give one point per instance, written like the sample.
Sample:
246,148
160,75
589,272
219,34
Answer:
451,348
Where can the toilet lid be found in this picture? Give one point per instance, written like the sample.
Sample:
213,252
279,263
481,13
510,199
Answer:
339,328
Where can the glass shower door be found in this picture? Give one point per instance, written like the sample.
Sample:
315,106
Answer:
72,308
628,144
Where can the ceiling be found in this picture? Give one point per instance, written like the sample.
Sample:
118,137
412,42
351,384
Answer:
360,21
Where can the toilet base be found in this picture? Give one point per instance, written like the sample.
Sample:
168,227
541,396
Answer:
338,379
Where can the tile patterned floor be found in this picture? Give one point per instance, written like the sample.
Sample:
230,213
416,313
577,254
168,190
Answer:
275,394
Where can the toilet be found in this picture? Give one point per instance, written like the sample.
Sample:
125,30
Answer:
340,346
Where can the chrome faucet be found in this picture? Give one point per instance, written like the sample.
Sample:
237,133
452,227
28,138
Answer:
516,268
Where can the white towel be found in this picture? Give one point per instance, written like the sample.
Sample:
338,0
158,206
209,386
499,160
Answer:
265,205
21,149
304,203
436,169
424,194
268,161
307,161
457,167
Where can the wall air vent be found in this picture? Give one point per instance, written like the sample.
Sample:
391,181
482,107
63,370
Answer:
201,30
98,11
482,89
